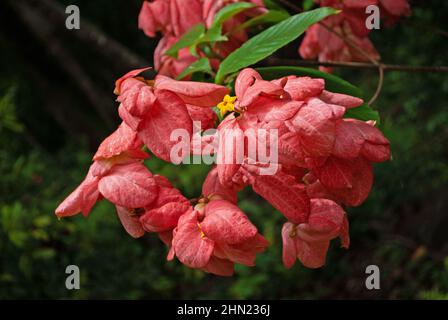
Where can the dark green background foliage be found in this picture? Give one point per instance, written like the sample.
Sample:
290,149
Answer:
49,130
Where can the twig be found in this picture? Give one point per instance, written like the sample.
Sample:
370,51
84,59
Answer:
357,65
44,32
290,5
375,62
89,34
354,46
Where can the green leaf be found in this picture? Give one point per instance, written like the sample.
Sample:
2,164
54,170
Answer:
229,11
198,34
202,65
270,40
18,237
363,112
332,83
190,38
271,17
272,5
308,4
214,33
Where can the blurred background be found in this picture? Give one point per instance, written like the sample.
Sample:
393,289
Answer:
56,105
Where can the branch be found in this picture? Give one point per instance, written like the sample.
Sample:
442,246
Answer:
45,33
354,46
357,65
91,35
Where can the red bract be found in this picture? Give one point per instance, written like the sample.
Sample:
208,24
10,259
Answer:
116,174
169,16
347,173
322,43
168,65
162,214
212,187
325,161
173,18
156,108
309,241
215,236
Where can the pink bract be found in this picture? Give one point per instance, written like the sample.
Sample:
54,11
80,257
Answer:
325,162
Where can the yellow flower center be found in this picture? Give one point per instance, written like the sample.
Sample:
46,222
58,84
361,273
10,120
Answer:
293,232
227,105
202,232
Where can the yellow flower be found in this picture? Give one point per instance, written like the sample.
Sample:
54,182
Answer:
227,105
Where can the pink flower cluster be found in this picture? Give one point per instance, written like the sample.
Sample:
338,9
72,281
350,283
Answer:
173,18
325,45
325,162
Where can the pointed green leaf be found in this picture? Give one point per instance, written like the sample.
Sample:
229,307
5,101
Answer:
270,40
190,38
270,17
202,65
229,11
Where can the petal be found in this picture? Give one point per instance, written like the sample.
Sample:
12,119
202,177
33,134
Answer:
121,140
324,223
260,88
289,252
359,4
220,267
290,149
168,114
275,110
285,194
244,253
166,237
396,7
362,184
137,98
129,185
230,150
153,17
301,88
336,173
315,124
225,222
130,120
312,255
348,140
206,116
130,222
354,137
200,94
82,199
375,153
146,21
245,79
130,74
310,48
164,218
184,15
340,99
212,186
191,248
167,193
